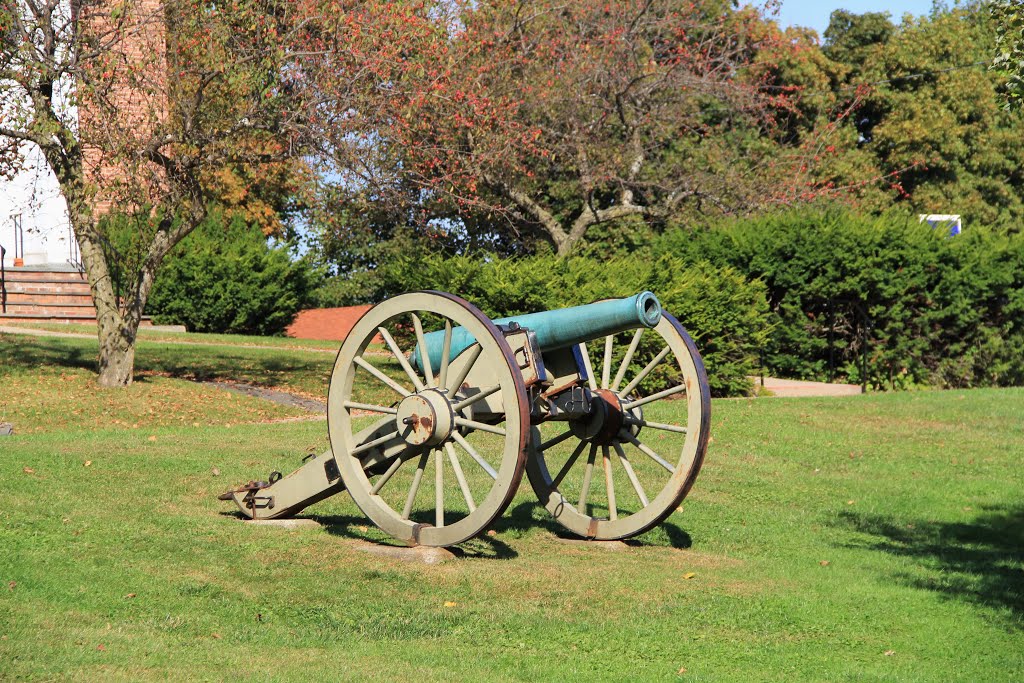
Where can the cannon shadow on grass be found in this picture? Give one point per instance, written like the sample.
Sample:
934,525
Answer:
350,526
526,516
981,561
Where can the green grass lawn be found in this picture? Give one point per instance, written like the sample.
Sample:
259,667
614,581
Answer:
867,538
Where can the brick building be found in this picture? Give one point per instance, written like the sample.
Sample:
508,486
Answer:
34,222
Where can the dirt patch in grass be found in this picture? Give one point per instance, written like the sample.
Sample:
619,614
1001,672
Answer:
283,398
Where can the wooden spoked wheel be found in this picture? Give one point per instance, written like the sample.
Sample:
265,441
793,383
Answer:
430,454
629,466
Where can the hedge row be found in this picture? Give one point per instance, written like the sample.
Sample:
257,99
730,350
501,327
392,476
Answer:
903,304
725,313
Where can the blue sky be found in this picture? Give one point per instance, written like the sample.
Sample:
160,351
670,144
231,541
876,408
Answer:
815,13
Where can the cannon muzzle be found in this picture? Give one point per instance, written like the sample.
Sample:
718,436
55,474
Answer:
560,328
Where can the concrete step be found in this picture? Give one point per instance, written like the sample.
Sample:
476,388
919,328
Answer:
47,298
27,319
24,318
31,274
37,287
46,309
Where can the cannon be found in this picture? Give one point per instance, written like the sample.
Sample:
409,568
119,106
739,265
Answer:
473,403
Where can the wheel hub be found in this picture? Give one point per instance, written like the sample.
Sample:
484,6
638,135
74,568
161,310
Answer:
425,418
605,421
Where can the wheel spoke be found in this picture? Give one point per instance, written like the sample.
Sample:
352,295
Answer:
646,371
438,489
475,397
624,461
428,372
645,449
568,465
461,440
587,474
627,359
352,405
460,475
591,380
364,364
446,350
555,440
386,476
609,482
402,360
472,424
416,479
679,388
474,353
606,370
658,425
372,444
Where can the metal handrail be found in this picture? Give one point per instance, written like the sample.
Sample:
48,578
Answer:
3,280
19,238
74,254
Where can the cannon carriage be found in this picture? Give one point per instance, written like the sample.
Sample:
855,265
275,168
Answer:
432,431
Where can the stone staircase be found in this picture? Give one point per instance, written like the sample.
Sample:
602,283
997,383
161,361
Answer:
45,294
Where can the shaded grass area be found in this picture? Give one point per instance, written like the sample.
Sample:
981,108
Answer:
48,386
287,369
150,334
870,538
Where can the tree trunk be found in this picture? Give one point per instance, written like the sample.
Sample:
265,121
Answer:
116,332
117,356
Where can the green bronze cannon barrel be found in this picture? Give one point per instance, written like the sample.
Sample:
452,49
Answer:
560,328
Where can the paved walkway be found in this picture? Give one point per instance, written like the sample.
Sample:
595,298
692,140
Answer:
797,387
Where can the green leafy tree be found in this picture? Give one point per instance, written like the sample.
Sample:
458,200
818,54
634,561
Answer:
1009,55
928,121
554,117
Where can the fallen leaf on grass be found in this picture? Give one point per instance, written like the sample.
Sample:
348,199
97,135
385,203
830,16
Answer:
101,647
215,635
28,470
11,585
890,653
216,472
689,575
824,563
681,671
449,603
129,596
153,437
849,502
492,532
87,463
